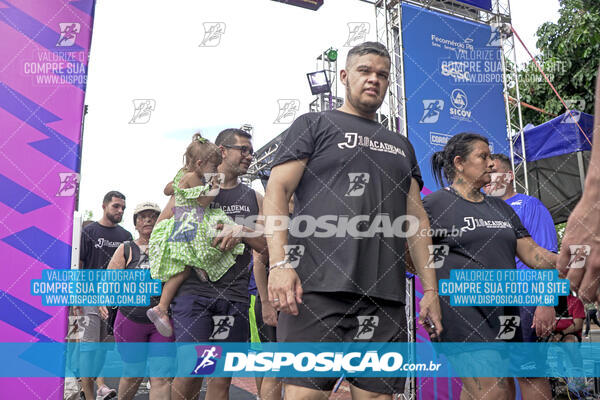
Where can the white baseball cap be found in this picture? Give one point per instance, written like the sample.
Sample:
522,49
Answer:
144,206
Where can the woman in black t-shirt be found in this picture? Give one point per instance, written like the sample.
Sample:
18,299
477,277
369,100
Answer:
475,231
131,324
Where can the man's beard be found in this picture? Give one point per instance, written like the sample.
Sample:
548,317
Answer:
366,108
114,219
241,170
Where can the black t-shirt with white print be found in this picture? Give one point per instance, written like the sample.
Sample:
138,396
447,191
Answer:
479,236
99,243
354,188
240,204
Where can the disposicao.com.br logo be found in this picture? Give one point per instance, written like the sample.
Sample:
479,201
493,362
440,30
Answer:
328,361
296,360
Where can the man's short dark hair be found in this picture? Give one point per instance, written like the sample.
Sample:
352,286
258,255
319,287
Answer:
504,159
228,137
113,193
367,48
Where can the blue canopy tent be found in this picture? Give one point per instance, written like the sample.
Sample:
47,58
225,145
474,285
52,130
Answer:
557,155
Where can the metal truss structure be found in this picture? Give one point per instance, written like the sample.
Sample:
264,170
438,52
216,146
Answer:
260,167
388,14
514,116
327,101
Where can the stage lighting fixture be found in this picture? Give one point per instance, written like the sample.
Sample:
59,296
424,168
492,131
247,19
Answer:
332,54
319,82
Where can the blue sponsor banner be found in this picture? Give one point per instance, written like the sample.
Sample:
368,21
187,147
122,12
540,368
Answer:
302,359
484,4
453,83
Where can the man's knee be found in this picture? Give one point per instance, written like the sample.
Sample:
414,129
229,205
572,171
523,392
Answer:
218,383
486,388
270,388
362,394
159,382
293,392
185,388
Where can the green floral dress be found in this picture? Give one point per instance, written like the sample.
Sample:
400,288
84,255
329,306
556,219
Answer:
186,238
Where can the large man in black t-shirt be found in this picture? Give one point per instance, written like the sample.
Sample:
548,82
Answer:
99,240
340,276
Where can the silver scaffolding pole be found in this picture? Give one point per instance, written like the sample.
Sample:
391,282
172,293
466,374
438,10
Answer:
387,21
388,17
502,20
389,32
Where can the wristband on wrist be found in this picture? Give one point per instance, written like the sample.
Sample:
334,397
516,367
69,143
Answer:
430,290
280,264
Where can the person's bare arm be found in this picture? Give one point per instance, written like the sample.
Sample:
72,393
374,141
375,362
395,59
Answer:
284,287
190,180
116,262
583,225
167,212
419,253
261,259
576,326
544,320
535,256
118,259
230,235
168,190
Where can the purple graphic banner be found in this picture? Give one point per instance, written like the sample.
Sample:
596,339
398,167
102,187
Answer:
43,59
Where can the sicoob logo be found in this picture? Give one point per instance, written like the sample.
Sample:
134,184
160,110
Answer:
460,102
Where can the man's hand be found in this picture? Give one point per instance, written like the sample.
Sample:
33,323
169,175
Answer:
285,290
583,228
544,320
269,314
228,237
103,310
430,312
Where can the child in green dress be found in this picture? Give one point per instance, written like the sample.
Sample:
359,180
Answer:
182,244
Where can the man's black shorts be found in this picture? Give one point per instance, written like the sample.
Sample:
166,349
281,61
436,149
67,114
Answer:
345,317
201,319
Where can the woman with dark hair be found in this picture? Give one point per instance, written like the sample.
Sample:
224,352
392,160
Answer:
481,232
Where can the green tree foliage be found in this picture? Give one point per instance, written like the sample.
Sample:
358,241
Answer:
569,55
560,233
88,215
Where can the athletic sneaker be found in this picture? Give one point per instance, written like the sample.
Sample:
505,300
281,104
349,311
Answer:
161,321
105,393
